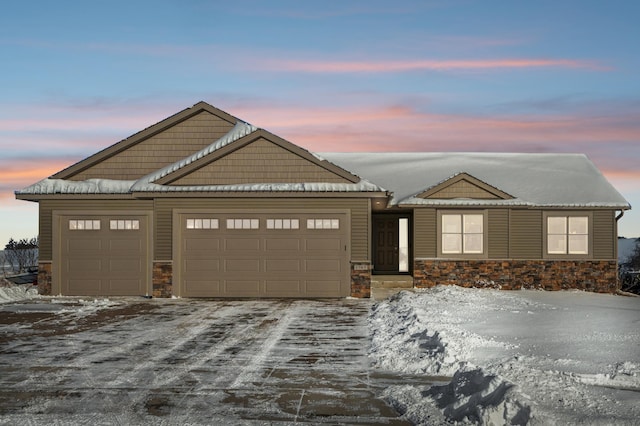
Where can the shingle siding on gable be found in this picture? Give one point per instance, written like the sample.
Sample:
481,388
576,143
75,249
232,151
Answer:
157,151
259,162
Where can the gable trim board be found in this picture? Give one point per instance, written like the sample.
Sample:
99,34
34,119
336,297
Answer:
475,219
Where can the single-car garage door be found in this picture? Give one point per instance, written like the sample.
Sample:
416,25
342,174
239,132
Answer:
263,254
104,255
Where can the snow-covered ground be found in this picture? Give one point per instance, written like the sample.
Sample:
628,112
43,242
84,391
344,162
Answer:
439,356
521,357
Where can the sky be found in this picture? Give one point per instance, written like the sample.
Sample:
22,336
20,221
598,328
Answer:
450,75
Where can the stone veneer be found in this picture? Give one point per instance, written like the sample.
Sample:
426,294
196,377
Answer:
361,279
162,278
44,278
591,275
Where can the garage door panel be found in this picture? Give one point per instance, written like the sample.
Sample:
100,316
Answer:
322,288
242,265
324,244
242,287
281,288
195,244
242,244
133,246
83,287
125,266
285,244
202,288
78,266
83,245
283,265
124,287
203,265
323,265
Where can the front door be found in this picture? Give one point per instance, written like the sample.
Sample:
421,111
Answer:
386,242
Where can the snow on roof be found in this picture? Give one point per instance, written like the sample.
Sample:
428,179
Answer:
551,180
89,186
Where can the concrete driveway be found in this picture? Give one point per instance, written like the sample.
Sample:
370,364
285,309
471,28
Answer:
135,361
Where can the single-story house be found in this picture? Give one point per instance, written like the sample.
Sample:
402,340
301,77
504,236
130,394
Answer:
203,204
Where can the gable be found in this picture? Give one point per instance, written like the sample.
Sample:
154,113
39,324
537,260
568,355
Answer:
163,143
464,186
262,161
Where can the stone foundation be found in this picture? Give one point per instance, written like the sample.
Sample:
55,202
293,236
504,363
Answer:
361,279
591,275
162,278
44,278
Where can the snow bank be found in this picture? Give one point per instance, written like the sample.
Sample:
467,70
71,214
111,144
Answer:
17,293
522,357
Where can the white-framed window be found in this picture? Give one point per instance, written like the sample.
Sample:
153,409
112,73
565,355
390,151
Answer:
283,224
243,224
84,225
197,223
567,235
462,233
323,223
124,224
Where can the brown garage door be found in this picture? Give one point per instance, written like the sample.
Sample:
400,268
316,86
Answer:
264,255
104,255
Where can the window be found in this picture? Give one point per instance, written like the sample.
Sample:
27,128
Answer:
84,225
124,225
243,224
567,234
462,233
323,223
283,224
202,223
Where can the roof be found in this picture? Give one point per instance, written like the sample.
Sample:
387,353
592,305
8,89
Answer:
542,180
410,178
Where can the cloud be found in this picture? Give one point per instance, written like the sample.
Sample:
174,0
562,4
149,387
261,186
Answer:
394,66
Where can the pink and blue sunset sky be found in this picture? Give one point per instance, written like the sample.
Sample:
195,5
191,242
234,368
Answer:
454,75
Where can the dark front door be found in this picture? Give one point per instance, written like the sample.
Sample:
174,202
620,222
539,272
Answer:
385,244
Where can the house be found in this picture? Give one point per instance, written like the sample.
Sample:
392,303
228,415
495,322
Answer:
203,204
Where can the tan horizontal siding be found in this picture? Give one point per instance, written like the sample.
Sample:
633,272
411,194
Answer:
424,233
526,234
604,234
498,234
359,217
259,162
94,206
161,149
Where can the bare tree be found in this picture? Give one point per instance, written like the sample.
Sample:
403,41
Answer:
21,255
634,259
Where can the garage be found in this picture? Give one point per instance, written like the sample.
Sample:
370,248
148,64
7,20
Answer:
263,254
104,255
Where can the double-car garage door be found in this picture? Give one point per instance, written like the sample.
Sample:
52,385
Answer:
263,254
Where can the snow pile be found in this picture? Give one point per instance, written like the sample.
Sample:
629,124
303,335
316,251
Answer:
17,293
522,357
83,307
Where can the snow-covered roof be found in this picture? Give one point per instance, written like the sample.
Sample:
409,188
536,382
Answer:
543,180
